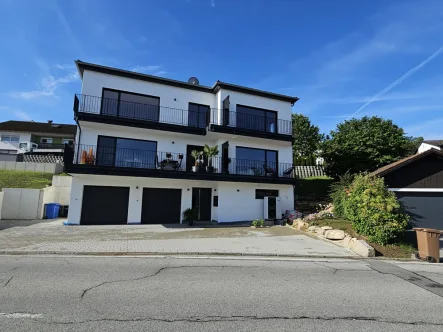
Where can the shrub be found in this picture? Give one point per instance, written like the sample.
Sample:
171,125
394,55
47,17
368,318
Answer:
373,210
258,223
338,194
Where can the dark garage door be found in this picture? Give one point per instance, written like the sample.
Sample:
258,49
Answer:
105,205
425,208
161,206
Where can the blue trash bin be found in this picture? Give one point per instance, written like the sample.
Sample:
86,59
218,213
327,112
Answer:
52,210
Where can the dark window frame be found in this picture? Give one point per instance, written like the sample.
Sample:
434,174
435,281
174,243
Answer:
215,203
264,117
119,100
198,116
261,193
115,145
266,150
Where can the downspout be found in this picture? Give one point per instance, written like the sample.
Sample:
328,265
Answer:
79,136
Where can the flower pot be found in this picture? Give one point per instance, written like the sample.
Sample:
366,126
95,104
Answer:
195,169
210,169
190,222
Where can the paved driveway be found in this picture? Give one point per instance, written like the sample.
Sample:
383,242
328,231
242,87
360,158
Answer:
53,236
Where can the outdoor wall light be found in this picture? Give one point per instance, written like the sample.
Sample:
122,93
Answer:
238,190
173,142
215,189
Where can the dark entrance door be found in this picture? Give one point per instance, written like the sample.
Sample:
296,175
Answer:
201,201
161,206
103,205
226,111
225,157
190,161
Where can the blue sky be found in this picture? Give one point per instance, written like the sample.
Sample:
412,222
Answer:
341,57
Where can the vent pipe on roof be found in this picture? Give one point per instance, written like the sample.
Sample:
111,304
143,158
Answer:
50,121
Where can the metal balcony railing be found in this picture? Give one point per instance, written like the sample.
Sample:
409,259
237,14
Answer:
139,111
168,161
251,122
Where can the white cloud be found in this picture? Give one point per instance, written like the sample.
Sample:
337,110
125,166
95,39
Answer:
159,73
213,3
47,87
16,113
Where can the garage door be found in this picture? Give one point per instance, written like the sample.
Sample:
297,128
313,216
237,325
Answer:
161,206
425,208
105,205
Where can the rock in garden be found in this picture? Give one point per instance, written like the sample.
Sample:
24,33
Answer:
335,234
312,228
326,228
320,231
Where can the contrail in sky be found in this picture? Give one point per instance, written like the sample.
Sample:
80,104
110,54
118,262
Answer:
399,80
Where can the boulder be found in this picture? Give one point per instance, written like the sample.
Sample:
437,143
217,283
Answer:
326,228
362,248
300,224
335,234
346,241
320,231
312,228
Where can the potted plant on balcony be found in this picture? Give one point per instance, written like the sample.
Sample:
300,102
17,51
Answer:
189,216
197,157
210,152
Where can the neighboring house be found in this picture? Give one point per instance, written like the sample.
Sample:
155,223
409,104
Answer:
430,144
418,183
133,160
44,134
8,152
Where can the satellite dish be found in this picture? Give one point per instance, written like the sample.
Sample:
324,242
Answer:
193,80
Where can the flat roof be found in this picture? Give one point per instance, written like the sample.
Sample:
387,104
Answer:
81,66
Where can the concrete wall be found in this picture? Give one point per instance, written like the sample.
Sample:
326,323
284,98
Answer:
32,167
20,203
29,203
233,205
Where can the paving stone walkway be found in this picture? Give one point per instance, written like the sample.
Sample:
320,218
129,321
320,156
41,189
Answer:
53,237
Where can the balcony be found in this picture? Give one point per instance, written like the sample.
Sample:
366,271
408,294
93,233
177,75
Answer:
90,159
250,125
118,112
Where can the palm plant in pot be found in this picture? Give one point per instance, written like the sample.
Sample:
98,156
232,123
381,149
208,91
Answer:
197,160
210,152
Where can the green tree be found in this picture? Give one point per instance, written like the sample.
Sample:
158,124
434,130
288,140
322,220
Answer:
414,143
306,137
363,145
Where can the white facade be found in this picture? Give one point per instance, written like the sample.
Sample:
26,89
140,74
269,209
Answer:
426,146
236,200
22,137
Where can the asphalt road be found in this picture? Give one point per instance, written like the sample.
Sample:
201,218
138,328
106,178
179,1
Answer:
186,294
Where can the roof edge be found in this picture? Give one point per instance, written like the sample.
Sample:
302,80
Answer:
81,66
403,162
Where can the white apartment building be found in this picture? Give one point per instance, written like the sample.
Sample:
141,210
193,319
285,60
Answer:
134,155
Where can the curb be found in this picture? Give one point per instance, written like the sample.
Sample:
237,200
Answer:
118,253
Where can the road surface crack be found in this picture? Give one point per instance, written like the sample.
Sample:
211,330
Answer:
8,281
85,291
240,318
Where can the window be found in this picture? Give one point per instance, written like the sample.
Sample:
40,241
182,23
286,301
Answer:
256,119
130,105
46,140
215,201
10,138
262,193
123,152
256,162
198,115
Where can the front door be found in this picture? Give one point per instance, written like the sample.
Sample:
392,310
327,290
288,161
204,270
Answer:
201,201
226,111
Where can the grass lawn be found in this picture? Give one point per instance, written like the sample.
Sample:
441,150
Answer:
21,179
398,250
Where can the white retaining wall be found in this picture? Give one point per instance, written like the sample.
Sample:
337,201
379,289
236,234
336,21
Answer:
18,203
32,167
